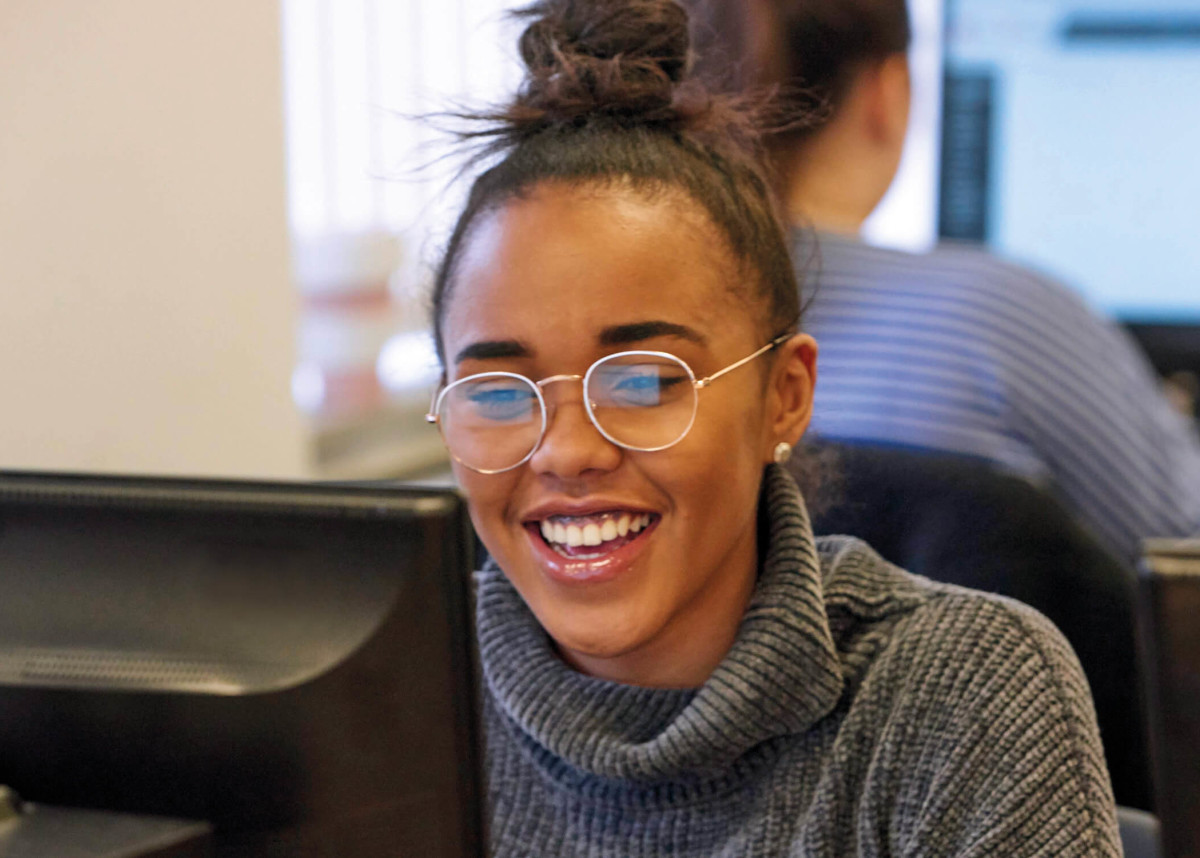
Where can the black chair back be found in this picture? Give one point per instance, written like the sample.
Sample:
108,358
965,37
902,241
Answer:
958,520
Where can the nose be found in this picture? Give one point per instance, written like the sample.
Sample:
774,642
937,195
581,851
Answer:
572,445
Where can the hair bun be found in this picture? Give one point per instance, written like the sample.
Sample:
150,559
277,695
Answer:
621,58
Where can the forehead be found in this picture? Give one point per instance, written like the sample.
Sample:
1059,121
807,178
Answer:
560,264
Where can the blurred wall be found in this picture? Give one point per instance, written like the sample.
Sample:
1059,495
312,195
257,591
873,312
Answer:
146,314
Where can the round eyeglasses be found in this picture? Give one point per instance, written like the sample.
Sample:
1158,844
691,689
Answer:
646,401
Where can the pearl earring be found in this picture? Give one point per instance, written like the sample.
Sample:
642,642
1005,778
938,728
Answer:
783,452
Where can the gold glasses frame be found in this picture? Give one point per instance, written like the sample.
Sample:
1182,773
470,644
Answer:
538,386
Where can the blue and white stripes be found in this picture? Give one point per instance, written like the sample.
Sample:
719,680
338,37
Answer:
958,351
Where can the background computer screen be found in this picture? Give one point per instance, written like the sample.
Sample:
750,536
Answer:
1071,133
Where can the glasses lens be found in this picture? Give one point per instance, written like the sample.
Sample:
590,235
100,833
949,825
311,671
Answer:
491,422
642,401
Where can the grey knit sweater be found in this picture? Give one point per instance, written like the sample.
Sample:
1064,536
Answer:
861,711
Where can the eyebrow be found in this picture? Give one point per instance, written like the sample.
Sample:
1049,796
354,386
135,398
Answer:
617,335
492,349
620,335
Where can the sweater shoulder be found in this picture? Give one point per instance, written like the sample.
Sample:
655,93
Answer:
993,707
863,590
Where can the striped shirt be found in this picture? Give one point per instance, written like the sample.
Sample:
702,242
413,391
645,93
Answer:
960,352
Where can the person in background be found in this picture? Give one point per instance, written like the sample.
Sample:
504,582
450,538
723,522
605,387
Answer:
955,350
671,663
1183,392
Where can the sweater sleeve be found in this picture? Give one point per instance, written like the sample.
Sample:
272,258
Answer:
1003,753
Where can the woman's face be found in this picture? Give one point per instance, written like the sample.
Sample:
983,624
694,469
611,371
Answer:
545,286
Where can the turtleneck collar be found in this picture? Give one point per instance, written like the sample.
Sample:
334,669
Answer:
780,677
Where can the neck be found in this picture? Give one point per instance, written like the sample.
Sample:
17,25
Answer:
830,188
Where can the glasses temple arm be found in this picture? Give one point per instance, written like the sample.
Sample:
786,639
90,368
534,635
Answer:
431,414
774,344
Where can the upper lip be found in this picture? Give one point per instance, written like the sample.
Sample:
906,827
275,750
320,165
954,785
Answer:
590,506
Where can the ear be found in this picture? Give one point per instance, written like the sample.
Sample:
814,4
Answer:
790,393
888,86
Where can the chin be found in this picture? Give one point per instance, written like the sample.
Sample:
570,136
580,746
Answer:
594,637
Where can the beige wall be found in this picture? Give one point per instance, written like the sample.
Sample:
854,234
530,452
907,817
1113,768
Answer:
146,316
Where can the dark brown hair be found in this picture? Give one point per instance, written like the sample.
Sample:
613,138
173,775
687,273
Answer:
807,50
608,97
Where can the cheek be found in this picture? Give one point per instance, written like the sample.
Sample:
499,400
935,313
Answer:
489,501
716,469
729,427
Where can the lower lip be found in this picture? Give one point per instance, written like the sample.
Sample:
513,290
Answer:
592,570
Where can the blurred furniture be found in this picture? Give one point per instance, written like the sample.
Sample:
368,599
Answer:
959,521
1140,837
1168,605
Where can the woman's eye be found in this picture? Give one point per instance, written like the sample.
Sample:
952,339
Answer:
640,389
502,403
638,383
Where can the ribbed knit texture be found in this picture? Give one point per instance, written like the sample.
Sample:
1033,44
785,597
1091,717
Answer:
861,711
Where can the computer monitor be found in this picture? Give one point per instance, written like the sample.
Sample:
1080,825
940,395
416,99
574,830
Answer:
1068,144
290,663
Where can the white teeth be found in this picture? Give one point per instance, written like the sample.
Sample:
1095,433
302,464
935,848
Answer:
593,530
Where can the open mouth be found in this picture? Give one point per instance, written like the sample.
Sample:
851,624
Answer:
584,537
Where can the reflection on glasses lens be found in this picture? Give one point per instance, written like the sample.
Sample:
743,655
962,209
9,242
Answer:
494,421
497,401
642,402
491,422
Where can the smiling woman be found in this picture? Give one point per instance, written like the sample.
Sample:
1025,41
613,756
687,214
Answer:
672,663
557,282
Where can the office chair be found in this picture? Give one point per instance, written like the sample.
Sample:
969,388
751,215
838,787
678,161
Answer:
1140,834
958,520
